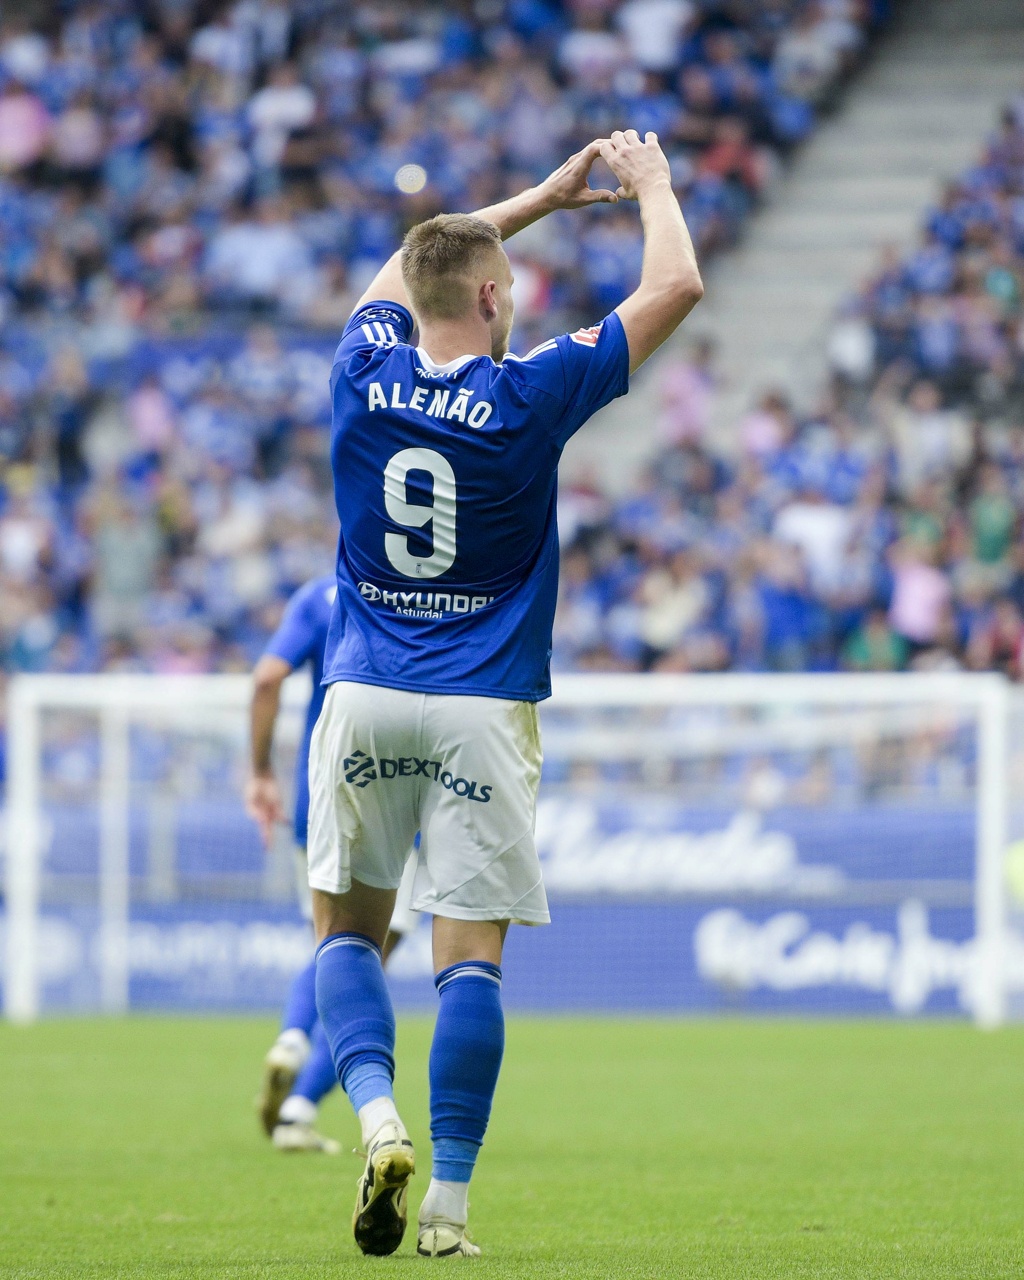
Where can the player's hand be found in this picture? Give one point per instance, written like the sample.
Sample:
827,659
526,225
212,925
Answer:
637,165
263,804
567,187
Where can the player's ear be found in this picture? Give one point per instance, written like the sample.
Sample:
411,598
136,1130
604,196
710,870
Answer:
489,300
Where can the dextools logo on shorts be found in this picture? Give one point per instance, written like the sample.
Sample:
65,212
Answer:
361,770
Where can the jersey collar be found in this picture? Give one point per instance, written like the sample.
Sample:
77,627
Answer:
452,365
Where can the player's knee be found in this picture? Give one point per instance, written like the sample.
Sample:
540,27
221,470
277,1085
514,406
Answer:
362,910
455,941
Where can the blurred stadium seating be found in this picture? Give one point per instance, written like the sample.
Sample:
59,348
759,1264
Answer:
191,195
879,532
190,200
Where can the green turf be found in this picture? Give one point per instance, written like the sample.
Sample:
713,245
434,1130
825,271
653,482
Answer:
618,1148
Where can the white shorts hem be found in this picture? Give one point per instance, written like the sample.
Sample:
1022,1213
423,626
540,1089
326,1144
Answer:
495,914
371,882
328,886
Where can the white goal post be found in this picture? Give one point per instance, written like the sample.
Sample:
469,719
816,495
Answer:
116,700
664,736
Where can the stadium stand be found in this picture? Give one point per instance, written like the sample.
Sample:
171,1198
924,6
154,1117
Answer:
880,532
191,195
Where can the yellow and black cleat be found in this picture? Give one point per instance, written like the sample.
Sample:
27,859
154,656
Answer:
382,1192
281,1066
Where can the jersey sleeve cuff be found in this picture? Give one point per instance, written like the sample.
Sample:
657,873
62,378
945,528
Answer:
376,308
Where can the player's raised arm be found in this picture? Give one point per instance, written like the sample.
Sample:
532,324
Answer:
670,284
262,793
566,188
387,285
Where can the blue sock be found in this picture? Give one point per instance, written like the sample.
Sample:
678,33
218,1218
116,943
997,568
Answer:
465,1058
317,1078
355,1009
300,1010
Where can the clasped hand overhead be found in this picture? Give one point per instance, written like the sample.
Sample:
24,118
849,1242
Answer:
637,164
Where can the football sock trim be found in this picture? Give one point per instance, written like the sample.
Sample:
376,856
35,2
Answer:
454,1159
334,940
366,1081
466,970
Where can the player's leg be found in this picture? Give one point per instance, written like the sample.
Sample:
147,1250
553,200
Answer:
353,999
312,1076
405,919
296,1126
289,1053
295,1129
483,872
362,822
359,1020
318,1076
465,1059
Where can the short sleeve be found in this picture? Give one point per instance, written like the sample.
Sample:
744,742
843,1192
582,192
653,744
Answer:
571,377
294,641
375,326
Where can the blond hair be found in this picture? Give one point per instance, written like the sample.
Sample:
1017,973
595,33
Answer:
439,258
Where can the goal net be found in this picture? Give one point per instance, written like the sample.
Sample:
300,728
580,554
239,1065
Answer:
800,844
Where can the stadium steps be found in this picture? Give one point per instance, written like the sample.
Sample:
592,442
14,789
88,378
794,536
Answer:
917,114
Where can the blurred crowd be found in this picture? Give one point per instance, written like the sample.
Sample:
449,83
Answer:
881,532
193,193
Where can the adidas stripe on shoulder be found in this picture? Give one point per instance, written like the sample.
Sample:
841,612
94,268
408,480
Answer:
550,345
380,334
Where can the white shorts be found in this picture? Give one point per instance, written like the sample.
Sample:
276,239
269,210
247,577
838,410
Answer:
403,919
461,770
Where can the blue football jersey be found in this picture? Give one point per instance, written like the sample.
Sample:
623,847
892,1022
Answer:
301,638
445,482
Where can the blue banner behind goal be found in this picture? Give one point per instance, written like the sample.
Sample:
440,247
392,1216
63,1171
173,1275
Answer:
659,908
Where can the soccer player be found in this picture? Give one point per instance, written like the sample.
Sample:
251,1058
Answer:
298,1070
445,457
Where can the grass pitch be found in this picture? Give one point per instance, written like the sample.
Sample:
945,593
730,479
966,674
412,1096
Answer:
632,1148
